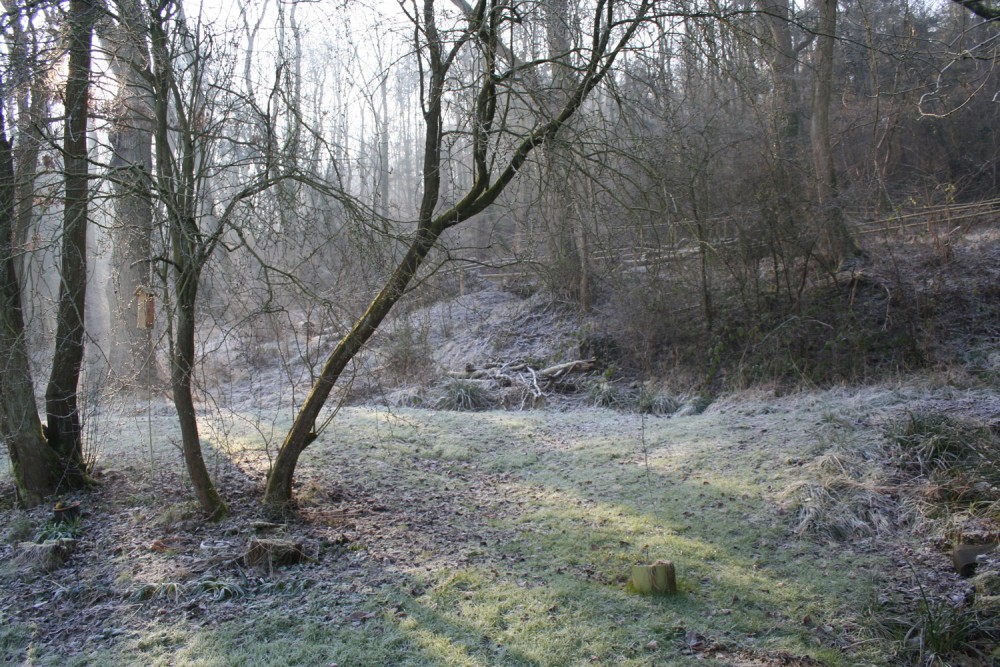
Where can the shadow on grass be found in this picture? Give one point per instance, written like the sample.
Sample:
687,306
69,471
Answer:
576,515
519,540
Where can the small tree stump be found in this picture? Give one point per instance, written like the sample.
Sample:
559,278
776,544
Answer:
659,578
965,557
273,553
65,513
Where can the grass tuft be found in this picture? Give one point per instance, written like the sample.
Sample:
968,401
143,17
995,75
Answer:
60,530
656,403
955,463
845,497
932,632
465,396
609,395
20,529
647,401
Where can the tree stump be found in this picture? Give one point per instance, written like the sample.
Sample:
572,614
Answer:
659,578
965,557
273,553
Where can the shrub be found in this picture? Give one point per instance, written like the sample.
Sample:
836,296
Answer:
656,403
608,395
407,352
465,395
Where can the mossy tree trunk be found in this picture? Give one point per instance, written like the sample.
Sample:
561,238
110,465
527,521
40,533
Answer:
492,173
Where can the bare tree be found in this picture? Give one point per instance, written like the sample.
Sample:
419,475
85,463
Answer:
46,462
498,153
216,151
63,428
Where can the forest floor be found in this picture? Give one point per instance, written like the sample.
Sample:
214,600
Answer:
507,537
807,527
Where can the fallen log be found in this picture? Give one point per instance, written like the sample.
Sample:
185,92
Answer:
559,370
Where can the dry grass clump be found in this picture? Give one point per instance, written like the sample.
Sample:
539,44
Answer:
846,498
644,400
466,396
929,464
951,463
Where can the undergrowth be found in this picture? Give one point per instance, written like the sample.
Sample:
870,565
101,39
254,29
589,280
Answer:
465,395
929,634
606,394
929,466
931,472
954,463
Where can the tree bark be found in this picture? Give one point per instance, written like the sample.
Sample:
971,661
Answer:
838,242
63,428
130,351
36,467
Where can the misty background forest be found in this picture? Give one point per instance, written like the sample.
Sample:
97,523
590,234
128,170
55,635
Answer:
424,324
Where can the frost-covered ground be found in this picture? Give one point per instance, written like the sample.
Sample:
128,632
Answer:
499,537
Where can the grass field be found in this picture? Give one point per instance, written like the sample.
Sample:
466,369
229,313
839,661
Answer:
492,538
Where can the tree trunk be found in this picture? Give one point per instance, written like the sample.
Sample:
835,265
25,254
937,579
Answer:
278,494
782,58
570,242
186,281
837,239
36,468
63,428
33,100
130,351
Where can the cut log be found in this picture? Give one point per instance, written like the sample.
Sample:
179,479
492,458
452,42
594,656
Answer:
659,578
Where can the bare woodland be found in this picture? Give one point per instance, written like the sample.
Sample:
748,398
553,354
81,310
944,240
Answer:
257,214
687,169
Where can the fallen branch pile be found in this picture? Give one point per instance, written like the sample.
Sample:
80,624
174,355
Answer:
536,382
